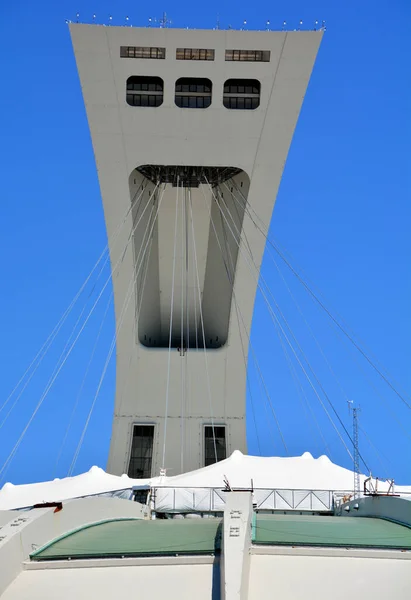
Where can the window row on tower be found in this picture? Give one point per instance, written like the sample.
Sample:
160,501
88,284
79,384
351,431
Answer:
195,54
193,92
142,443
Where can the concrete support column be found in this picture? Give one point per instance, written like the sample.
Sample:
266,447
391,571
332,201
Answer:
236,543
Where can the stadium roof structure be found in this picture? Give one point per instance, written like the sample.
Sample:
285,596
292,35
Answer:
303,473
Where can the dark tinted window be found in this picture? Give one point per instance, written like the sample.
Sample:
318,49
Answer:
242,94
193,92
211,435
141,456
144,91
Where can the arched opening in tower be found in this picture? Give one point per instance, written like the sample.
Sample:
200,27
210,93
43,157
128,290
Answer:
187,226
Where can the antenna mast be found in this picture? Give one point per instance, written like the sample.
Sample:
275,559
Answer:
356,453
164,21
355,412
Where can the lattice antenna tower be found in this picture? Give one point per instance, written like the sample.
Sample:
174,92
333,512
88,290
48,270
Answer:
356,453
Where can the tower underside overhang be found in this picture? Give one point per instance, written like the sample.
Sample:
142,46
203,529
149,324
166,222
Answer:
188,223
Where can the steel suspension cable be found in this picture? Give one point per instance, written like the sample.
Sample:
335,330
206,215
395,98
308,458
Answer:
188,333
274,317
230,276
76,403
94,350
256,363
311,332
383,400
310,329
47,344
49,385
380,456
203,334
135,322
310,367
302,395
194,282
291,367
327,311
300,390
129,295
344,393
170,335
182,342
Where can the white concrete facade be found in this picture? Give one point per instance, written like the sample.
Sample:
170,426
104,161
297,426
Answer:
175,582
340,576
24,531
379,506
289,577
236,543
243,570
124,137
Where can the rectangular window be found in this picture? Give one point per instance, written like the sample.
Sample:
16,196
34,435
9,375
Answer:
194,54
142,52
141,456
214,444
248,55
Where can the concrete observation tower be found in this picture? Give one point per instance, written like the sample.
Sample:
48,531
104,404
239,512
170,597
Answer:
189,128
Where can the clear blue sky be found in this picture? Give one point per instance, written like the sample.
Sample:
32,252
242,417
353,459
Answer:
343,212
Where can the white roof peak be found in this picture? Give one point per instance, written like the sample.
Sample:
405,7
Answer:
307,455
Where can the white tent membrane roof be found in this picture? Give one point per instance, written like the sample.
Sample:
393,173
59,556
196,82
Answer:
241,471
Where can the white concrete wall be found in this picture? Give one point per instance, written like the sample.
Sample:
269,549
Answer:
29,530
183,582
6,516
125,137
385,507
322,578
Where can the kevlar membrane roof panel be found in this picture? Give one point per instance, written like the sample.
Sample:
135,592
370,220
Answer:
135,537
309,530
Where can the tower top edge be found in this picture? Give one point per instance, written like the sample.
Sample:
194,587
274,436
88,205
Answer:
176,31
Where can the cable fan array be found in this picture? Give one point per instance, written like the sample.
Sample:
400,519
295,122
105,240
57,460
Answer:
319,401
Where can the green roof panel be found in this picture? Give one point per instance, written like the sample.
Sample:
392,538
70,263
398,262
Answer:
135,537
312,530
